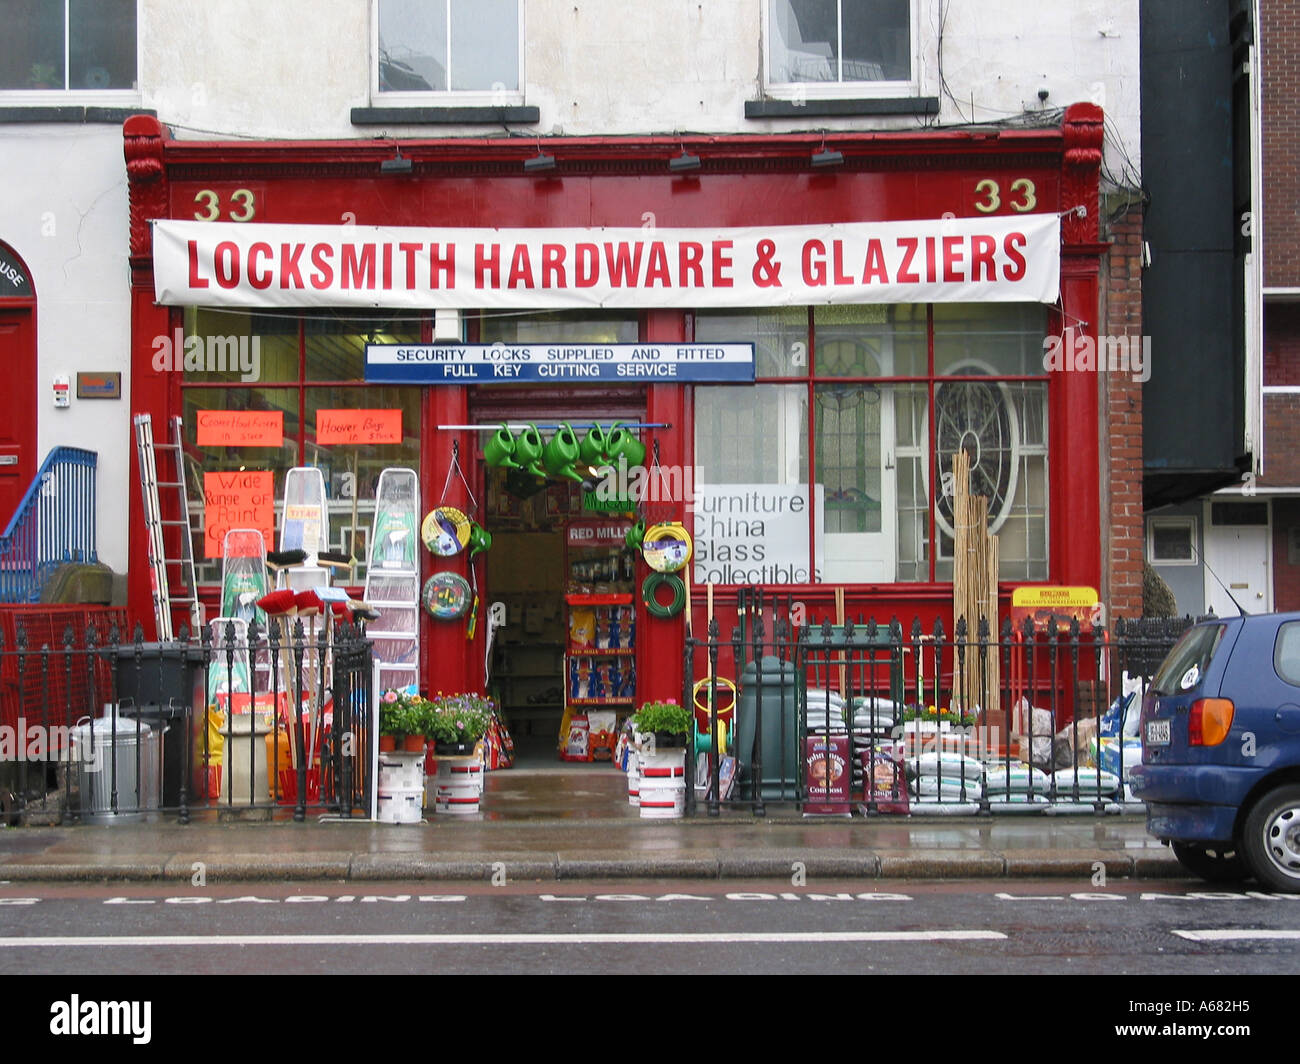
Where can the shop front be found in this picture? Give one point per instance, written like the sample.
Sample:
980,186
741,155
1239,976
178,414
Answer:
796,352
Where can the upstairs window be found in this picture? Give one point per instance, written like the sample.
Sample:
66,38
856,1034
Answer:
68,45
470,47
828,47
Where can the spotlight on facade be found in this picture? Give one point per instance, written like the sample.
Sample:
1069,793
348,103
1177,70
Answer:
398,164
825,158
539,163
682,163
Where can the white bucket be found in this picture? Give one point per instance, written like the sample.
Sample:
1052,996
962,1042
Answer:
401,806
400,772
668,765
663,799
460,783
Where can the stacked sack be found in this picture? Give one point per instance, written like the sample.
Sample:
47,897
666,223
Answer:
874,720
945,777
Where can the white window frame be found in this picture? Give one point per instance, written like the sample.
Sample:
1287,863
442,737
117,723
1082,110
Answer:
1187,521
814,90
491,98
81,97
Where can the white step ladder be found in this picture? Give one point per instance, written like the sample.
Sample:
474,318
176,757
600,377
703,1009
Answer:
393,578
161,567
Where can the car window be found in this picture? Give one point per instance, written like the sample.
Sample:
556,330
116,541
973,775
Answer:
1286,653
1185,666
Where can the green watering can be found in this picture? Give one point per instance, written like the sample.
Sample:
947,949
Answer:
622,444
594,447
528,451
499,451
561,454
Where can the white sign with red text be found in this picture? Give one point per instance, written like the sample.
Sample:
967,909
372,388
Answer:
1012,259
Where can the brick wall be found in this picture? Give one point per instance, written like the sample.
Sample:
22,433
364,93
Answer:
1280,79
1121,473
1281,441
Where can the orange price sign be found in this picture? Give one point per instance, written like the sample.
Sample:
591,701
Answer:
237,499
358,426
232,428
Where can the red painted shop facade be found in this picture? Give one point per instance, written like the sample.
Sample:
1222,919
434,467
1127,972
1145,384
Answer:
823,468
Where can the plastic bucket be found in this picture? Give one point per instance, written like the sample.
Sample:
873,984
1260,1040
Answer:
667,765
460,782
663,799
401,806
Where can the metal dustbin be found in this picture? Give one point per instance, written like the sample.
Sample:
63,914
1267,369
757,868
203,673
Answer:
128,760
780,726
171,721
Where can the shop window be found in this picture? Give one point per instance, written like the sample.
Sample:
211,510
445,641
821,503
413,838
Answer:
879,406
294,366
828,47
68,45
469,47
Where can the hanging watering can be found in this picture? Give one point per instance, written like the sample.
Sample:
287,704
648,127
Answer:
528,451
499,451
635,535
561,454
594,447
621,444
480,539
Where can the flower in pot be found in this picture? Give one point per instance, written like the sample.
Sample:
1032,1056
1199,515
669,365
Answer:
669,723
402,722
456,722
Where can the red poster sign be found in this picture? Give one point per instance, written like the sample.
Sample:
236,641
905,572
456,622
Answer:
234,428
237,499
358,426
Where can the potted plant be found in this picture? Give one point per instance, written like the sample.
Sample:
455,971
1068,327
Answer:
457,722
669,723
402,722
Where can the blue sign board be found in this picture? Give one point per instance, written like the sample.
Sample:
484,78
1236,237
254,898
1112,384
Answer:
559,363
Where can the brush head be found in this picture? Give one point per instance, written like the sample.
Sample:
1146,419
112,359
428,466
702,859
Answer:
334,559
308,603
364,613
278,603
285,559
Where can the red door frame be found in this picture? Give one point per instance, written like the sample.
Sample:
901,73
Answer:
18,432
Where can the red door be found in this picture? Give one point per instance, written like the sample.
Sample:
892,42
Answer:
18,409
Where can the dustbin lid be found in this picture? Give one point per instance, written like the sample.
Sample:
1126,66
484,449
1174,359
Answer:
128,729
773,669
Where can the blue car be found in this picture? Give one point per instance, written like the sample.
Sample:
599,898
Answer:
1220,768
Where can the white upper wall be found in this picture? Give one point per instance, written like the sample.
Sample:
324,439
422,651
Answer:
617,67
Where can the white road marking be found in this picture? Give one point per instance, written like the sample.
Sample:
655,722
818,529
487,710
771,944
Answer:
646,938
1242,934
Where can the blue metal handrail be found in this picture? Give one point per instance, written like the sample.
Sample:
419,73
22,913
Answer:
54,524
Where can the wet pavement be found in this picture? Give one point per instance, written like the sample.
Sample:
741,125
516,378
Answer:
574,822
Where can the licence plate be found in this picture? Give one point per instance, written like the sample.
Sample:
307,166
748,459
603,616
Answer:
1157,733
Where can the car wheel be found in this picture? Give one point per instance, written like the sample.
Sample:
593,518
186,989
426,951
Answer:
1270,842
1218,864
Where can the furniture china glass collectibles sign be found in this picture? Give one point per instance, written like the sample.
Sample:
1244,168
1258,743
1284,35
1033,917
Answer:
558,363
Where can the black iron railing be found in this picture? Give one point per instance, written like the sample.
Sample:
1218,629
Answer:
878,719
263,718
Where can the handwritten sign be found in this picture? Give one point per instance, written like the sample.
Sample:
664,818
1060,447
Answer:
358,426
238,499
233,428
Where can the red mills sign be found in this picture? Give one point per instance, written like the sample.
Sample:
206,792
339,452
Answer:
944,260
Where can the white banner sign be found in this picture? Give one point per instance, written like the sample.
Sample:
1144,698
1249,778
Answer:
755,533
962,260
